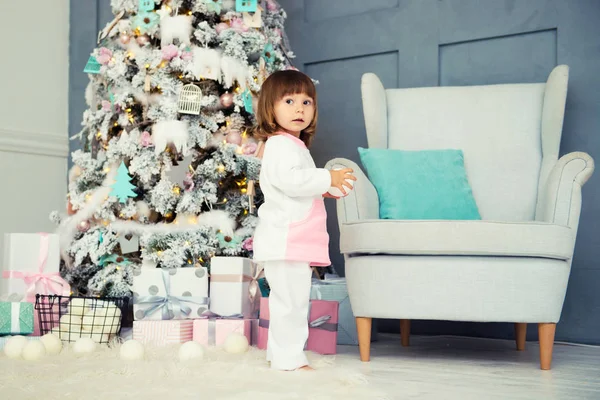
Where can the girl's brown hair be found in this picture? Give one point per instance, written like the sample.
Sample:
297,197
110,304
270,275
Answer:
276,86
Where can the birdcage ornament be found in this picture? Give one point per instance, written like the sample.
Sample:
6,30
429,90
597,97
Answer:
190,99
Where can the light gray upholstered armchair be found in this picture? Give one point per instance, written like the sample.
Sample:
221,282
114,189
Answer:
511,266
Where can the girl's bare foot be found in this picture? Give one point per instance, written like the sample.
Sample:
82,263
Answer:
306,368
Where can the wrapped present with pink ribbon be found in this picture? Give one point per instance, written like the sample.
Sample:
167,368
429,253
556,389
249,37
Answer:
163,333
234,286
31,266
322,326
214,331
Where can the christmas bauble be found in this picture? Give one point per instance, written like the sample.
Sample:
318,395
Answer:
234,137
52,343
132,350
84,345
83,226
124,38
14,346
143,40
33,350
221,27
191,350
236,343
227,100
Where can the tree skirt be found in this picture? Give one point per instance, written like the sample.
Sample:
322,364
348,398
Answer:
219,375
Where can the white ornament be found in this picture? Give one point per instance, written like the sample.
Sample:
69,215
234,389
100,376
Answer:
190,100
132,350
143,209
236,343
177,27
337,192
175,132
190,351
70,322
52,343
206,63
33,350
14,346
77,307
84,345
233,70
253,20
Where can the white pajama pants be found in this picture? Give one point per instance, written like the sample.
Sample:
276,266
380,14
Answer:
288,310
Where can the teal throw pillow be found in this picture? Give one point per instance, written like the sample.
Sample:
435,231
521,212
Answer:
427,184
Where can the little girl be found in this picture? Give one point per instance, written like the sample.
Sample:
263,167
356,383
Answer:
291,234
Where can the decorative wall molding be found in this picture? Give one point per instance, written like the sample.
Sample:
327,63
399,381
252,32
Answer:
34,143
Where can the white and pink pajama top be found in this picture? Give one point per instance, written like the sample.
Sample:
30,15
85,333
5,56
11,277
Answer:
292,220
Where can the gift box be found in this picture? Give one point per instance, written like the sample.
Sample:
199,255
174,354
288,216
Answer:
336,290
162,294
31,265
322,326
214,331
233,287
163,333
16,318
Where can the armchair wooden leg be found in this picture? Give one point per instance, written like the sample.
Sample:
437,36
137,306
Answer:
520,335
546,333
363,327
405,331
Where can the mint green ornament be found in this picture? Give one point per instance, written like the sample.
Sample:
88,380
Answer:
246,5
228,241
214,5
247,98
145,6
92,66
268,54
122,188
145,21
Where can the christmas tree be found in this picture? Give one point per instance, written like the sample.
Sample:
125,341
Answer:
171,93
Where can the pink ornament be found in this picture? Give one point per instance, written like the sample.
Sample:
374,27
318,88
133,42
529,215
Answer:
146,139
125,38
221,27
291,67
226,100
169,52
248,244
249,148
237,24
104,55
106,106
186,56
272,6
188,182
83,226
143,40
234,137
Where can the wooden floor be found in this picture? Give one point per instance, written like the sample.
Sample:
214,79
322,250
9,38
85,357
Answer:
446,367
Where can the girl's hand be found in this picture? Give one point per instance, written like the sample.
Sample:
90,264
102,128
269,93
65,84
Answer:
339,176
330,196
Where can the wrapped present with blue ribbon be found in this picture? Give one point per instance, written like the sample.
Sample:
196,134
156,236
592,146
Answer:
335,289
165,294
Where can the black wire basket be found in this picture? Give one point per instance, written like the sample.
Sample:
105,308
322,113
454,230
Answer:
75,317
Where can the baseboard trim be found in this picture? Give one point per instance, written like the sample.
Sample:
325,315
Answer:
34,143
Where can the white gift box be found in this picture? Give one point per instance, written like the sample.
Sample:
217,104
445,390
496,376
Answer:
24,254
176,293
234,287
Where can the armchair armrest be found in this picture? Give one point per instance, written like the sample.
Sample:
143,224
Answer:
360,203
560,199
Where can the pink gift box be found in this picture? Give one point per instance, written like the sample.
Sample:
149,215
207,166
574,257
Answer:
163,333
214,332
322,328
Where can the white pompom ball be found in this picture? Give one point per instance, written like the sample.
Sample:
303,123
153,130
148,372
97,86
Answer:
190,351
34,350
52,343
236,343
84,345
337,192
14,346
132,350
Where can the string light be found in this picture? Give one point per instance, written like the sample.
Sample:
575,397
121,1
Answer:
159,253
106,170
176,190
221,168
187,242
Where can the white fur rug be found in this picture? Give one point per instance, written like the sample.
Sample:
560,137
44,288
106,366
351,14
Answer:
102,375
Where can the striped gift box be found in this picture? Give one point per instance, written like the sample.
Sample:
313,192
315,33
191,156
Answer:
163,333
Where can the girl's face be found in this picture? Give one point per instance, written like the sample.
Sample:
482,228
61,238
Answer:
294,112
